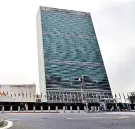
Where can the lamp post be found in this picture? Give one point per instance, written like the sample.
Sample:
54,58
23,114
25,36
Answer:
81,80
84,100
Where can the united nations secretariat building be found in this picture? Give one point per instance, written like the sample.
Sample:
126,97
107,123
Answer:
71,68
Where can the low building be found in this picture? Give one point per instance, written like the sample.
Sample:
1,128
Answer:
18,93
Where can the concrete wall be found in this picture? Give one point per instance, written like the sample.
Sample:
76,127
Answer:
18,93
42,81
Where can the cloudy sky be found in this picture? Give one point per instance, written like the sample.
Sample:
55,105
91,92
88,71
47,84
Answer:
114,22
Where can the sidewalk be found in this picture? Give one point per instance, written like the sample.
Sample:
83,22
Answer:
62,111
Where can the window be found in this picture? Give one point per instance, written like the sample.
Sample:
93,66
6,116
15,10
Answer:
11,95
18,94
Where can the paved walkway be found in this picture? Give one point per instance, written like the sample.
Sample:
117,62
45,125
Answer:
117,120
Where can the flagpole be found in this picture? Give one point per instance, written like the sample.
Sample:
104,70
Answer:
120,97
125,100
129,103
80,79
128,98
116,102
83,92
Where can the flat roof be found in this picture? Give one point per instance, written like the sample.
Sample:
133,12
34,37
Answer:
64,10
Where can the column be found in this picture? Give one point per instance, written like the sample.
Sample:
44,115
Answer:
11,108
56,108
95,108
49,108
64,109
18,108
71,109
41,108
92,108
78,109
2,109
98,108
26,108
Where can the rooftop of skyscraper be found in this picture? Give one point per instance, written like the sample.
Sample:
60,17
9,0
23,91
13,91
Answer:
64,10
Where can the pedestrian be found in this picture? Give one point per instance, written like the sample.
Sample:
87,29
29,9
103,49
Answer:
22,107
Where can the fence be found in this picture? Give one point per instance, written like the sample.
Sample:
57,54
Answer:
67,108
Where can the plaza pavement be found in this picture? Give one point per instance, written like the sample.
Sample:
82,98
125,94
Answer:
102,120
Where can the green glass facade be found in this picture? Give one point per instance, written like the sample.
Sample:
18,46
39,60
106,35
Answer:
71,51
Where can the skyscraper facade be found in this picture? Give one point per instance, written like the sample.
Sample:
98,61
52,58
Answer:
71,67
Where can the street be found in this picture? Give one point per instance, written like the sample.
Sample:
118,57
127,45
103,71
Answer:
108,120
